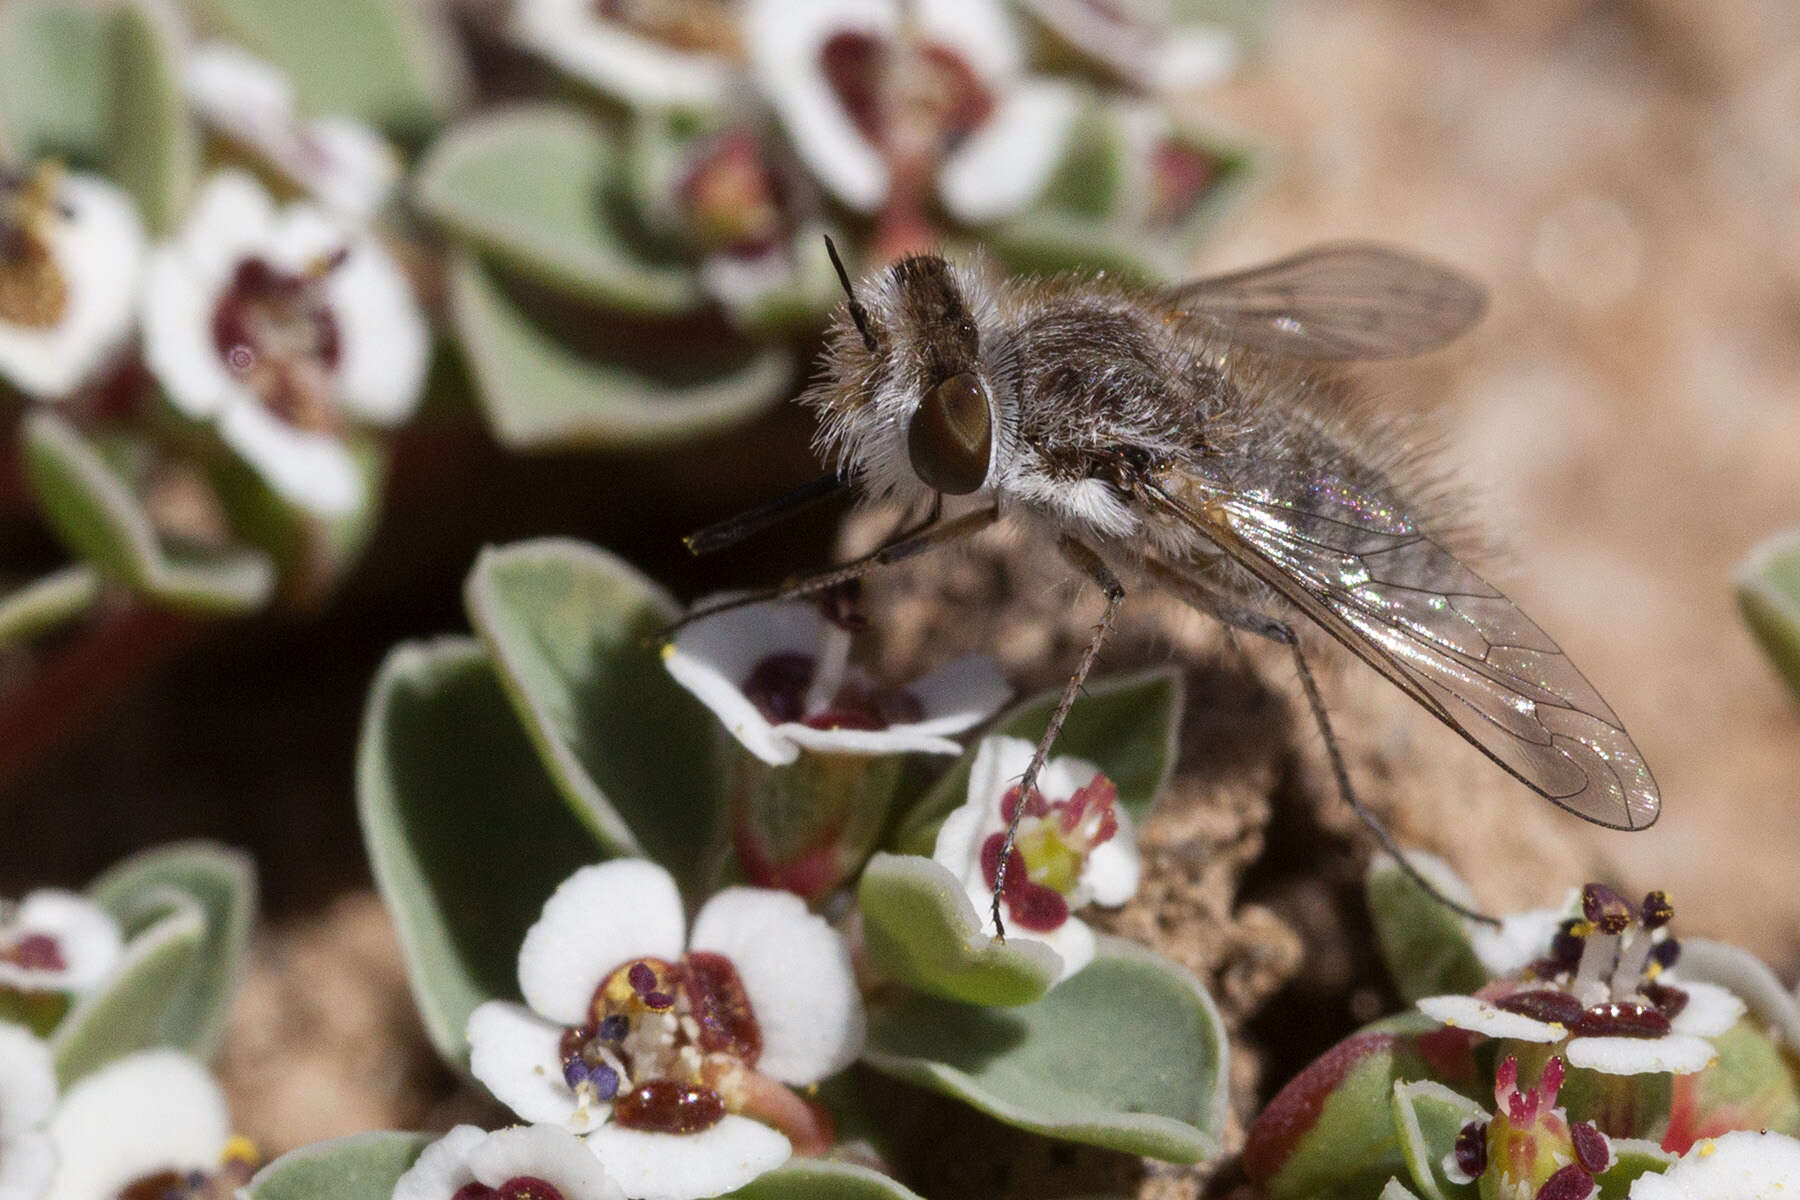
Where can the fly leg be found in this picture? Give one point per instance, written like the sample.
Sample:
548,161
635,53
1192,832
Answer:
1222,609
1090,564
927,535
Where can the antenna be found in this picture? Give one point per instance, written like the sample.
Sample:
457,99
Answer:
858,313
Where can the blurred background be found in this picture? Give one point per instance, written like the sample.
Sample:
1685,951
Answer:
1624,175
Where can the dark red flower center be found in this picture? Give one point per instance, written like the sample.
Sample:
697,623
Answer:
884,85
520,1187
777,686
35,952
276,332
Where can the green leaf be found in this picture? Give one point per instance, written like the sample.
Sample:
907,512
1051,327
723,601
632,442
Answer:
97,517
1426,946
465,832
1128,1054
56,81
1768,594
222,882
1428,1116
1631,1157
539,393
573,632
821,1179
133,1008
43,604
155,147
363,1166
530,187
922,931
1124,724
392,63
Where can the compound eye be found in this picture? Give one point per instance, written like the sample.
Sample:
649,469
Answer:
951,436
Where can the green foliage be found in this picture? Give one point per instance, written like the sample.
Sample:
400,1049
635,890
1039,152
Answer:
363,1166
1768,594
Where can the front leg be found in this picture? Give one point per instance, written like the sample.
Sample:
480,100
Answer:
1089,563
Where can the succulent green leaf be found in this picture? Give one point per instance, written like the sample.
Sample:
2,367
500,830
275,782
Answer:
43,604
131,1011
1124,724
363,1166
1128,1054
56,81
1631,1157
1629,1105
1428,1116
1331,1131
922,931
1768,594
392,63
539,393
94,512
155,150
535,189
222,881
1426,947
821,1179
1753,1083
573,632
465,831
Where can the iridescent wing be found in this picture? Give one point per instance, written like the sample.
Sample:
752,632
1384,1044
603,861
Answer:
1346,301
1446,637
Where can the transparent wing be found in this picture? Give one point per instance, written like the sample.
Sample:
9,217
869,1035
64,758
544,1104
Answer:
1346,301
1447,637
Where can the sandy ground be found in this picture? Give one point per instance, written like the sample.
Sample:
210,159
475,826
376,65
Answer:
1626,178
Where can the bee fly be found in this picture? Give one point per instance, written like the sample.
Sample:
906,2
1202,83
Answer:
1197,439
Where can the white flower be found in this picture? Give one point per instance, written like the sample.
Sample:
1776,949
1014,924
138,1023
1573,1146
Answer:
674,1059
654,53
778,676
1075,847
500,1162
27,1096
70,250
880,96
342,162
142,1116
1140,41
56,941
283,326
1601,980
1742,1165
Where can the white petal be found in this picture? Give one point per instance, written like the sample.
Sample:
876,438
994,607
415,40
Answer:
686,1166
302,236
311,470
351,169
98,249
1000,762
542,1152
518,1056
441,1168
178,340
154,1111
1675,1053
979,31
1710,1009
87,936
27,1165
896,739
797,973
739,282
1194,56
713,657
959,695
785,39
1073,941
1478,1016
27,1082
1110,875
1742,1165
1003,167
225,81
385,344
232,218
599,919
960,838
616,59
1522,937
